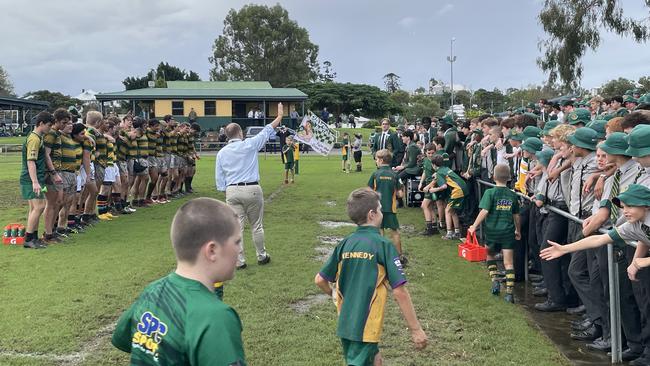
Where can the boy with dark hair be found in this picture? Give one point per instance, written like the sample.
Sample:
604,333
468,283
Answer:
178,319
363,265
53,180
429,198
500,211
32,178
385,182
447,180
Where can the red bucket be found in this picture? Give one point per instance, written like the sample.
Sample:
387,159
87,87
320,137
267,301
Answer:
471,250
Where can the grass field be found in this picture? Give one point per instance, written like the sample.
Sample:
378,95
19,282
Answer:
59,304
18,140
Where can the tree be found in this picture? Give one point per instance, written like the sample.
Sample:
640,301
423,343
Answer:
532,93
56,99
6,87
616,87
400,97
262,43
328,74
645,84
422,106
573,26
163,73
420,90
392,82
492,101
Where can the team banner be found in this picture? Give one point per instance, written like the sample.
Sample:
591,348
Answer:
315,133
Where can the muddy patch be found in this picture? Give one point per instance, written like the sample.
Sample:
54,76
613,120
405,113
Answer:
323,253
407,229
303,306
330,203
335,224
329,239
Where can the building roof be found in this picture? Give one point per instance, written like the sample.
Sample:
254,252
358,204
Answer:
11,102
239,90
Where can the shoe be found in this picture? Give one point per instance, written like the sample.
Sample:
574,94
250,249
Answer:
403,260
104,217
590,334
584,325
538,284
641,361
549,306
242,266
600,344
535,277
577,310
583,318
631,354
61,233
111,216
427,232
148,201
540,292
509,298
496,288
456,236
124,212
50,239
264,261
80,229
129,209
448,236
33,244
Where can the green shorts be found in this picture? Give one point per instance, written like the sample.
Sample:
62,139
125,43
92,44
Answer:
456,203
27,191
288,166
430,196
344,157
359,353
495,247
389,221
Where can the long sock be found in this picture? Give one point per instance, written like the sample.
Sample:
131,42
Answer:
150,188
71,220
510,280
29,236
429,225
102,204
492,269
35,234
117,200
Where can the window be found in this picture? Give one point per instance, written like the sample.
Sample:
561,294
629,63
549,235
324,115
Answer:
178,109
210,108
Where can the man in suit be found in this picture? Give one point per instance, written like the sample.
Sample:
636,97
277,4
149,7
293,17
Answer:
386,139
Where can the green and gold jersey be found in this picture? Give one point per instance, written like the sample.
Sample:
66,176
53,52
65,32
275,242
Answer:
165,142
33,150
142,146
191,141
121,146
455,184
182,145
102,150
288,151
71,154
501,203
178,321
152,138
345,144
363,266
385,181
110,149
89,144
52,141
427,170
173,142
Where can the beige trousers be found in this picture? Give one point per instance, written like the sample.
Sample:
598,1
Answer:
248,203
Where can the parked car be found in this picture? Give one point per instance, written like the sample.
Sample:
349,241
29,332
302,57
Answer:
254,130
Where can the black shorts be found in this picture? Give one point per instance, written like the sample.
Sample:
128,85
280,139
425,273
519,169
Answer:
357,156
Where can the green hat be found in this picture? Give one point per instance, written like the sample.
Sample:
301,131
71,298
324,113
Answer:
532,145
598,126
630,99
531,131
530,105
579,115
629,92
644,101
478,131
549,126
635,195
615,144
639,141
532,115
544,156
585,138
621,112
516,135
447,120
519,111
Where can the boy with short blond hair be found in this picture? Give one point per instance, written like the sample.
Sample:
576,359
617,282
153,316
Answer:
288,157
363,266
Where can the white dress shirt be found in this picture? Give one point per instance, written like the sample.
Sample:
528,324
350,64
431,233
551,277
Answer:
237,161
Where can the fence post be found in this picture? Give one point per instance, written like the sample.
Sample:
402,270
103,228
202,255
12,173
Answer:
614,305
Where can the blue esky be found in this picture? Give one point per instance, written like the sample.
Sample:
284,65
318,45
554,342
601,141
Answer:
71,45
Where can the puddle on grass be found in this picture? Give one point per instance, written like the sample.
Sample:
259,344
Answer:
323,253
407,229
330,203
335,224
303,306
329,239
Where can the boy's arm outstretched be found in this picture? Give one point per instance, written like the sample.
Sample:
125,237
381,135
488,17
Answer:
556,250
403,299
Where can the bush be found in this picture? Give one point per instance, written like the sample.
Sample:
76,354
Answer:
371,124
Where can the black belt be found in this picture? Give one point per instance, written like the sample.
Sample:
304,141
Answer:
244,184
558,204
69,171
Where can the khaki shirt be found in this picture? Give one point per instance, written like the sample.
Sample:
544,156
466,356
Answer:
631,232
581,170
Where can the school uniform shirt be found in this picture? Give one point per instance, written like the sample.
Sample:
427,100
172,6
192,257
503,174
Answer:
628,173
385,182
531,184
637,231
288,152
565,181
33,150
52,140
581,170
501,203
410,161
427,171
455,184
520,184
179,321
363,266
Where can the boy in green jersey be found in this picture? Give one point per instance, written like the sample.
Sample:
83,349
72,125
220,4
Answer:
454,187
363,266
178,320
32,178
384,181
500,211
288,155
429,198
346,150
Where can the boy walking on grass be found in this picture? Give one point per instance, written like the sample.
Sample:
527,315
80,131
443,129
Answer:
288,155
384,181
500,211
363,265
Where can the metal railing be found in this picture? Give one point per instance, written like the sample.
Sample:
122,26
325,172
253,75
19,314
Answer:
613,276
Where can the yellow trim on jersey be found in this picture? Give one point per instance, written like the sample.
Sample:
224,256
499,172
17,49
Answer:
375,320
456,191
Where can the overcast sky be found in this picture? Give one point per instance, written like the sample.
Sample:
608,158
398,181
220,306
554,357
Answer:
71,45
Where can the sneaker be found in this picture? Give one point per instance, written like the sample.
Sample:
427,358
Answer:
242,266
104,217
403,260
61,233
129,209
124,212
448,236
509,298
148,201
456,235
33,244
50,239
264,261
496,288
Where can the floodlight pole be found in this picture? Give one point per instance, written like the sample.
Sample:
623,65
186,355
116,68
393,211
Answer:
451,58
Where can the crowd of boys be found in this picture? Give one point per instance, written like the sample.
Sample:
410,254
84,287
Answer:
76,173
589,158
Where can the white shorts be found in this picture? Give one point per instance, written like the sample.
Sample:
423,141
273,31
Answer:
81,178
111,173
